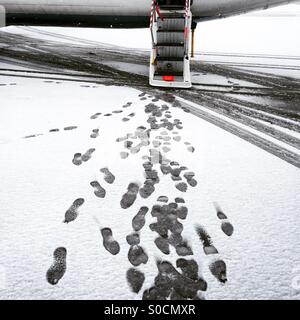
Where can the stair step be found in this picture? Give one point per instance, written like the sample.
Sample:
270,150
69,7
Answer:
170,51
175,74
170,25
170,2
173,45
173,15
170,31
172,7
170,38
169,66
171,59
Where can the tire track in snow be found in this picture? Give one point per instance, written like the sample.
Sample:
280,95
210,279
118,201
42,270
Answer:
124,78
256,139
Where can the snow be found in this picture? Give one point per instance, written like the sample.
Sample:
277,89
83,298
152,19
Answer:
257,191
245,127
284,130
273,36
214,79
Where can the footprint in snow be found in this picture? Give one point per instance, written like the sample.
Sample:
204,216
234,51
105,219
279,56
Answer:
128,104
179,200
156,143
133,239
139,220
221,215
108,176
109,243
182,212
189,268
183,249
135,279
95,133
181,186
218,269
124,155
137,255
77,161
33,136
87,156
95,116
128,144
130,196
162,244
163,199
148,189
99,191
70,128
226,226
72,213
59,266
189,176
190,149
169,283
205,238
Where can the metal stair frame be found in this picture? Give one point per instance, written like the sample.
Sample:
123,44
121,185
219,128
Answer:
183,81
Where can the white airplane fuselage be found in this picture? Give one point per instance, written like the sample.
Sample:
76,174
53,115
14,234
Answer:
116,13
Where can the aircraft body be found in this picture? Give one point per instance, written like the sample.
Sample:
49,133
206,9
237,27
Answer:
116,13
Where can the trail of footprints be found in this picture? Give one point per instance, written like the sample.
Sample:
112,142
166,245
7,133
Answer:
226,226
108,177
79,158
69,128
217,266
59,265
95,132
179,282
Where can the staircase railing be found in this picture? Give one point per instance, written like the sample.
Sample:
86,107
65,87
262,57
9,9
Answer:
186,27
152,19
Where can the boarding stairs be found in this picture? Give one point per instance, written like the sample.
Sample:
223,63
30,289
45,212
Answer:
170,26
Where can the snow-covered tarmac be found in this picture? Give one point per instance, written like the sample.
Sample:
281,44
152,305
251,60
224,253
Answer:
257,191
57,135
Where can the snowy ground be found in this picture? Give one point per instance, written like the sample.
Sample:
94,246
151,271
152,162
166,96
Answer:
40,184
45,122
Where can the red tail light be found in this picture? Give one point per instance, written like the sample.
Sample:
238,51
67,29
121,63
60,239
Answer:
168,78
